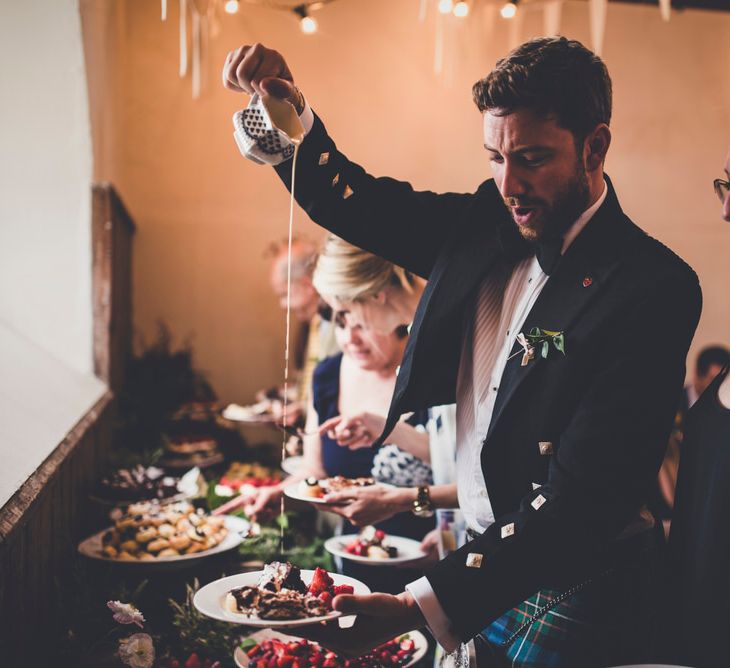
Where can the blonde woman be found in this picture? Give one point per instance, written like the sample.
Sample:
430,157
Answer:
381,298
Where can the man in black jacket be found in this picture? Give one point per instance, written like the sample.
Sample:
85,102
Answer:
558,326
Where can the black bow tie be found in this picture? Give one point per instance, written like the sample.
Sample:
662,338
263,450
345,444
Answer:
548,253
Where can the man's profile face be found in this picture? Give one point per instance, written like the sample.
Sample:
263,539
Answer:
538,171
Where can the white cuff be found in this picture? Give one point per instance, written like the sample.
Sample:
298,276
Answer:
438,622
307,118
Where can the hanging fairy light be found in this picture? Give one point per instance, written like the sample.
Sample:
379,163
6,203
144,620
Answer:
231,6
461,9
307,24
446,6
509,9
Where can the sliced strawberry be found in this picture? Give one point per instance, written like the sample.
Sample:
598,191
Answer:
343,589
321,581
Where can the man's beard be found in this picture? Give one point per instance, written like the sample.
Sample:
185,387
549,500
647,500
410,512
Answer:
568,204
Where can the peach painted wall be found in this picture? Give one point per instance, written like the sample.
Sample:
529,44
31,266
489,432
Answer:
204,215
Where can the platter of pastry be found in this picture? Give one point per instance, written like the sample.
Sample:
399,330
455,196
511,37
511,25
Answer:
280,595
153,534
313,490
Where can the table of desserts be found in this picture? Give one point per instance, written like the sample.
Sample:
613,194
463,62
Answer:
212,591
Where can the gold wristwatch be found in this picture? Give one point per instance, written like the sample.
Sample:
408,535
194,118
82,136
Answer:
422,506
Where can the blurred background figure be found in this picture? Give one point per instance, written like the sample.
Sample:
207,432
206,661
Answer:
709,363
699,542
314,338
382,297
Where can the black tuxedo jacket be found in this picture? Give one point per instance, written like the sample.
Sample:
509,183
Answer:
589,427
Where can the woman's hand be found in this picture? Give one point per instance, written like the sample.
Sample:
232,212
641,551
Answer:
252,504
370,505
353,431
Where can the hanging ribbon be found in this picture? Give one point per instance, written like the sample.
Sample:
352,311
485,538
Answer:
195,53
422,11
183,38
665,8
551,15
438,55
598,9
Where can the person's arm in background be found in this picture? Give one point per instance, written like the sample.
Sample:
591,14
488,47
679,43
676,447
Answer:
360,430
311,467
370,505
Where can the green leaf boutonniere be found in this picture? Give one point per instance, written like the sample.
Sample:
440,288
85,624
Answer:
539,340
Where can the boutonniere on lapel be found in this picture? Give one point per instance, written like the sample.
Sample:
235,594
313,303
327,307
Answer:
541,340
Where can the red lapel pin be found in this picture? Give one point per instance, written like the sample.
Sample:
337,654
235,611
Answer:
587,282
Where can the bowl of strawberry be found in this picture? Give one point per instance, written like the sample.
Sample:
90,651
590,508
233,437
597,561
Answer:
275,650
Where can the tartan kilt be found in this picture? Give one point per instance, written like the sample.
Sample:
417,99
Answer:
603,621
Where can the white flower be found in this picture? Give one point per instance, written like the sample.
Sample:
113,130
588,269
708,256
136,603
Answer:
528,349
137,651
125,613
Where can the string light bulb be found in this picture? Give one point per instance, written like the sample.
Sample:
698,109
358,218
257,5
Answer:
231,6
445,6
307,24
461,9
509,9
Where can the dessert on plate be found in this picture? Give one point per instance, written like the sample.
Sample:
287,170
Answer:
372,543
316,489
281,594
137,484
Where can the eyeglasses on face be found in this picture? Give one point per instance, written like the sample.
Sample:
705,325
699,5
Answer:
339,318
721,188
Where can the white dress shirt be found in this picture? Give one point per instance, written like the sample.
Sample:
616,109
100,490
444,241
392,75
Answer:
475,404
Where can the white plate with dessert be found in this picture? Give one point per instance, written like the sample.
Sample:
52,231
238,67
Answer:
408,649
152,535
374,547
312,490
279,596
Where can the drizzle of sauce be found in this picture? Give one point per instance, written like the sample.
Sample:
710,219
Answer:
285,118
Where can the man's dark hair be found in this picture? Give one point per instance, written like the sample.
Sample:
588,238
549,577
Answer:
711,355
555,78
